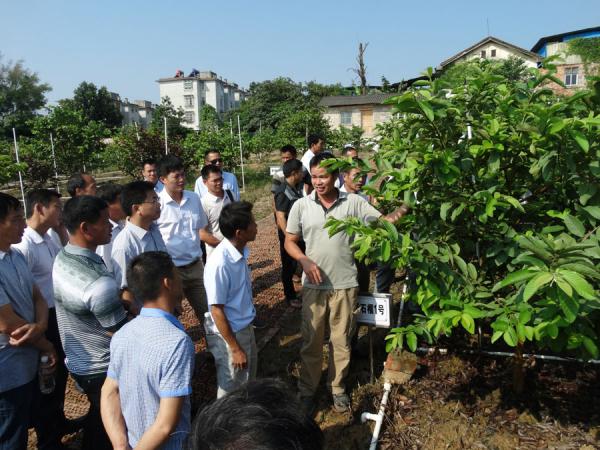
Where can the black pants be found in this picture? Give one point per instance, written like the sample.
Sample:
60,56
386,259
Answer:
49,416
288,267
94,434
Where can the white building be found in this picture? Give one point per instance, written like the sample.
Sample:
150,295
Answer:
191,93
138,111
494,49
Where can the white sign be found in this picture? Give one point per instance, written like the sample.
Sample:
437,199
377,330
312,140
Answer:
375,309
274,169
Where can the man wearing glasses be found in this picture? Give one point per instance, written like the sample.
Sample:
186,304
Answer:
213,157
140,234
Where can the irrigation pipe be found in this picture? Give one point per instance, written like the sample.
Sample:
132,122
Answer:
377,418
443,351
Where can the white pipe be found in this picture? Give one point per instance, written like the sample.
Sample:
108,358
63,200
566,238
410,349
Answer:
20,176
166,137
54,160
378,418
443,351
241,154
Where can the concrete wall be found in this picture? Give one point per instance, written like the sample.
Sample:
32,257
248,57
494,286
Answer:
381,113
502,52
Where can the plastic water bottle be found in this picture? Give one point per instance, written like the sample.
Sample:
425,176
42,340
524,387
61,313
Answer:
46,376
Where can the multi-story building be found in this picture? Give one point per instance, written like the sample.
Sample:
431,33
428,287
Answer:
138,111
191,93
569,67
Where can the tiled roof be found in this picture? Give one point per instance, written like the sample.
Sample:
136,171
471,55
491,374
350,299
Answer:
351,100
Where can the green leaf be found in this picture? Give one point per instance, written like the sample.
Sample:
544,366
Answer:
591,347
468,323
515,277
411,341
580,139
564,286
497,335
574,225
444,210
535,283
462,265
593,211
581,286
426,108
569,307
513,202
386,250
472,271
586,191
510,337
459,209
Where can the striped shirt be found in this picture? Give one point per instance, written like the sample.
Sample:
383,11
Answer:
151,358
88,309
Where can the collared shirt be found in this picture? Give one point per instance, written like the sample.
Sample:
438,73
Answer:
131,242
88,309
286,196
18,365
151,358
179,224
212,206
105,251
158,187
229,182
227,282
39,252
332,254
360,194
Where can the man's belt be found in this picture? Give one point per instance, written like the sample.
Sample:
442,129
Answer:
187,266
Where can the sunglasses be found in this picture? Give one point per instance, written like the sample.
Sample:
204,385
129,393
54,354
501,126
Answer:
215,161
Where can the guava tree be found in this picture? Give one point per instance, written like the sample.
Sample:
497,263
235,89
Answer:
502,178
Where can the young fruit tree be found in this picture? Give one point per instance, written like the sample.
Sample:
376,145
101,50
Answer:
503,180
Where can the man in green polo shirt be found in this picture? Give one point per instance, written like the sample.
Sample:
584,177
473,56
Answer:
330,287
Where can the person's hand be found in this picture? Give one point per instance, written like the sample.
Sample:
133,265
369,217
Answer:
397,214
47,349
312,271
26,334
239,359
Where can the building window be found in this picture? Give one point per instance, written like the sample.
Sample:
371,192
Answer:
346,118
189,116
571,76
188,101
187,84
483,54
493,53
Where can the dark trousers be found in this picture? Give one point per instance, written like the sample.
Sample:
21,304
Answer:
49,416
94,434
384,277
15,416
288,267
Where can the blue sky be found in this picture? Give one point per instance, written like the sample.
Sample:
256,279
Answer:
127,45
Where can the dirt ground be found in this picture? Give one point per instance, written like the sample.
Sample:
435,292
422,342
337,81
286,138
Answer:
452,402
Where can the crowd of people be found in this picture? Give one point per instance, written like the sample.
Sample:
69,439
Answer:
94,289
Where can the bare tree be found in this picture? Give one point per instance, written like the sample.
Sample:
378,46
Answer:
361,70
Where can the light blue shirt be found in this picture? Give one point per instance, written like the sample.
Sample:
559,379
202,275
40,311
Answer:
227,282
179,224
131,242
18,365
152,358
229,183
158,187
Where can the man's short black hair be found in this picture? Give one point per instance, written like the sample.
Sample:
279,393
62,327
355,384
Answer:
134,193
168,164
151,161
262,414
318,159
291,166
75,181
35,196
146,273
235,216
314,139
289,149
8,203
109,192
208,169
84,208
208,152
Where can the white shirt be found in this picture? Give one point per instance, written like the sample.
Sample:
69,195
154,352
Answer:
227,282
39,252
360,194
212,206
229,182
308,155
131,242
179,224
105,250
